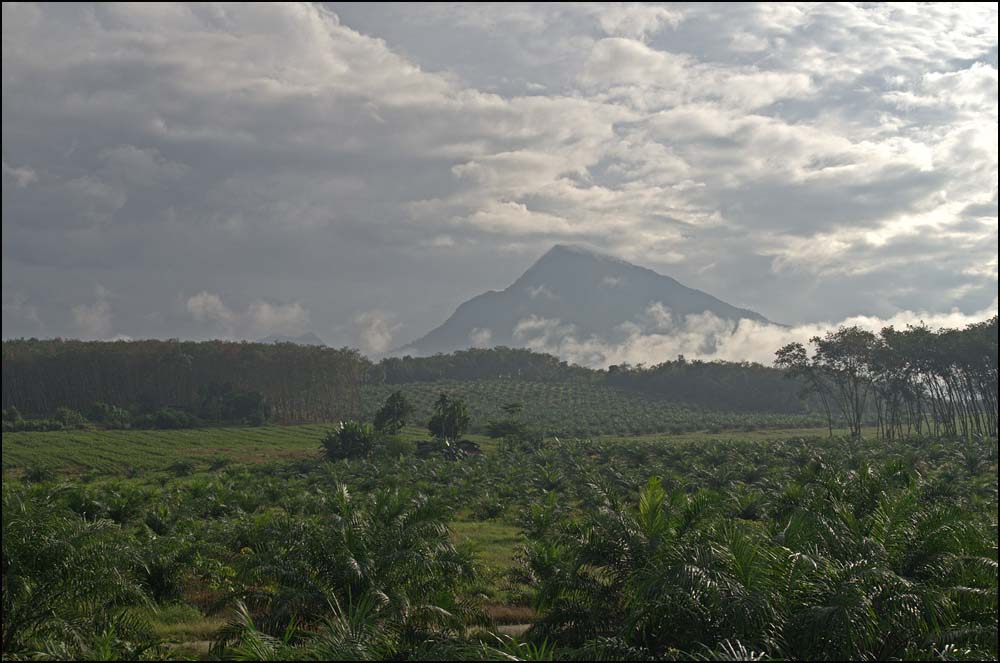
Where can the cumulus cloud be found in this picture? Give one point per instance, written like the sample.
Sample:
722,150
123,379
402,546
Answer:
480,337
375,330
786,157
93,321
259,319
206,306
22,176
636,20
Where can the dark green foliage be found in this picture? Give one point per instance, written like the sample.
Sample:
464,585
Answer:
66,581
226,403
167,419
69,418
393,414
478,364
513,433
109,416
14,422
849,561
739,386
349,440
301,383
382,562
816,548
451,418
507,428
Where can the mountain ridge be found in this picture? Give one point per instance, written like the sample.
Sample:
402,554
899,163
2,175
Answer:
573,290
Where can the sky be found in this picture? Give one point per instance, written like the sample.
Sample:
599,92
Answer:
358,170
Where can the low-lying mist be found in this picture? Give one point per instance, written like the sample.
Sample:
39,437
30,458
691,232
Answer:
660,336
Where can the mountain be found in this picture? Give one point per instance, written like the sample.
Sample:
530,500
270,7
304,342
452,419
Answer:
574,291
309,338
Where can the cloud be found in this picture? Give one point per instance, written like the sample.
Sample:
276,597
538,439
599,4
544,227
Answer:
287,319
480,338
22,176
344,157
206,306
258,320
636,20
375,330
93,321
660,337
543,291
18,309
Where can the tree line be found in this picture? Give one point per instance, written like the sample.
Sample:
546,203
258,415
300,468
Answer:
915,380
479,364
740,386
299,383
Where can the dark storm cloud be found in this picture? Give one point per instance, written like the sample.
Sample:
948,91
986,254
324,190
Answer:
358,170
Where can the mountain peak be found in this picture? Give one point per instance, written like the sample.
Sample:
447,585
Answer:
573,250
574,290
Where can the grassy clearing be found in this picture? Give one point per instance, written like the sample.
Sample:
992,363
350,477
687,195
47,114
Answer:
109,452
180,623
115,451
139,451
493,542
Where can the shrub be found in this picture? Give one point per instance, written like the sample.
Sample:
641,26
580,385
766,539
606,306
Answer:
393,446
167,419
182,467
228,403
349,440
69,418
393,414
451,418
109,416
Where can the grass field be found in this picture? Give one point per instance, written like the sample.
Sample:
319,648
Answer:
203,449
131,451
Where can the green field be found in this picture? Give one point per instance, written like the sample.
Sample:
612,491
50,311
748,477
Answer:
203,449
204,519
579,409
564,409
132,451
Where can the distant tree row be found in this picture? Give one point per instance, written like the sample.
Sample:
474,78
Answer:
913,380
721,385
214,380
740,386
220,404
479,364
